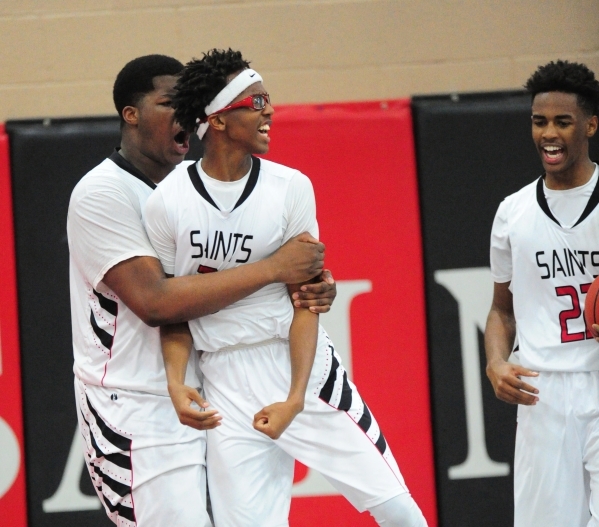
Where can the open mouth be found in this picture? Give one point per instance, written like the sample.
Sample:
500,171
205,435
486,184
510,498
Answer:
264,129
182,141
553,153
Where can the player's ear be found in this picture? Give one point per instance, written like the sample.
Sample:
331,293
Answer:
592,126
217,121
131,115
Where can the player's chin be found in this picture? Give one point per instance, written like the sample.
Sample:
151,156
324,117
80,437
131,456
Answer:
261,148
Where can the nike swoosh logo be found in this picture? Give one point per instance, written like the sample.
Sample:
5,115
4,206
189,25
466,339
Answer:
252,75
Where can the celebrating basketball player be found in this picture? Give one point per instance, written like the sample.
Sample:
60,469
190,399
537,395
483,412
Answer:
544,246
269,369
119,290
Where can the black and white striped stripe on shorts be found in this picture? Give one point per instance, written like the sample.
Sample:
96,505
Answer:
108,459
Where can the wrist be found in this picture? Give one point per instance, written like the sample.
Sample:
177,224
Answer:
493,363
269,270
174,385
296,403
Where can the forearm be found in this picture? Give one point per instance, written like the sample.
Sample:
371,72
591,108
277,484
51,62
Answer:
188,297
176,343
303,336
500,334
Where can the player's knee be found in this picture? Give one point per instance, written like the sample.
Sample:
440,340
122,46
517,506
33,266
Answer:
400,511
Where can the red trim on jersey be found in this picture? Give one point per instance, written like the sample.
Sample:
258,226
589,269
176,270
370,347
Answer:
110,351
132,501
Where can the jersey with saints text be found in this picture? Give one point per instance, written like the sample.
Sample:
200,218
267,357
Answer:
191,234
551,267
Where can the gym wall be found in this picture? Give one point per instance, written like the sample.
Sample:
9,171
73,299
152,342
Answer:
59,58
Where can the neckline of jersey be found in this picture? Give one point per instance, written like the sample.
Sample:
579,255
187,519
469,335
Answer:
127,166
590,206
198,184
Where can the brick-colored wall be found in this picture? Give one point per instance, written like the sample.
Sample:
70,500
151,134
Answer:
60,57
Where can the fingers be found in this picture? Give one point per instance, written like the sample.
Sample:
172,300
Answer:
307,237
316,305
327,277
521,371
195,396
515,391
317,290
200,420
595,331
182,398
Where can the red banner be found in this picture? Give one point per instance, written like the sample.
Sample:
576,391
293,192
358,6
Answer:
361,160
12,467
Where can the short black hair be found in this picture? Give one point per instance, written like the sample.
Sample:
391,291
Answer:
201,80
137,78
567,77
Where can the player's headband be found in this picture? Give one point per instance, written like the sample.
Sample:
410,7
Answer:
245,79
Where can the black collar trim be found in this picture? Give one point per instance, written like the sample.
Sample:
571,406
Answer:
197,182
121,162
590,207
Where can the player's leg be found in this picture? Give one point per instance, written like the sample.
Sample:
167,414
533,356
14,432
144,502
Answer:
358,463
586,396
549,480
132,442
176,498
337,435
399,511
249,476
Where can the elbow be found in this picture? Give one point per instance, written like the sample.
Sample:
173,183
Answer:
152,319
155,316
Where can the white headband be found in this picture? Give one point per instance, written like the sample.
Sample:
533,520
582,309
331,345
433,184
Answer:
245,79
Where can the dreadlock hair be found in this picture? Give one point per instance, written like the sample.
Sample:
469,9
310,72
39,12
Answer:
201,80
136,79
567,77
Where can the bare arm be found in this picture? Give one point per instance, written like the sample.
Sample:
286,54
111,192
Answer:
303,335
142,285
500,334
176,346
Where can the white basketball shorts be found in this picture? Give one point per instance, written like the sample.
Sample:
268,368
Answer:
556,467
250,476
147,468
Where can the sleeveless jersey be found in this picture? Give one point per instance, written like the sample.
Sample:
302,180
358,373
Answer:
192,235
112,346
552,267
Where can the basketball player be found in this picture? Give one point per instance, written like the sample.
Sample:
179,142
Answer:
147,468
269,369
543,259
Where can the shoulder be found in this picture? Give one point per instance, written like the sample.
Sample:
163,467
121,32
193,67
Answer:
107,177
521,198
276,170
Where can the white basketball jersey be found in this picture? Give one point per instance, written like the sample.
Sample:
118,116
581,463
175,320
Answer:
112,346
192,235
552,267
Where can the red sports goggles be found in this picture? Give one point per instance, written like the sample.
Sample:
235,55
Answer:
256,102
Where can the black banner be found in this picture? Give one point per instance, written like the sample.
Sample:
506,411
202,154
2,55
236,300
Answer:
47,159
472,150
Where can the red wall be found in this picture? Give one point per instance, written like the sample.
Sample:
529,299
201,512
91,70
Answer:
361,160
12,491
